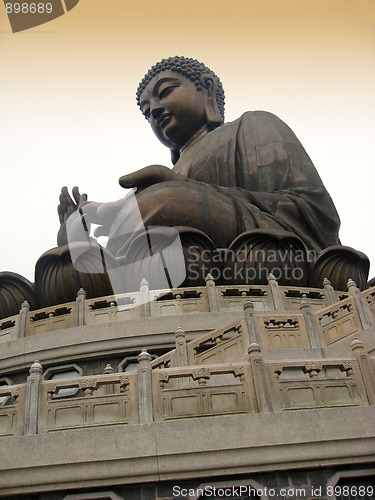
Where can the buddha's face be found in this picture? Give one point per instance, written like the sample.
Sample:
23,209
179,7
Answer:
174,107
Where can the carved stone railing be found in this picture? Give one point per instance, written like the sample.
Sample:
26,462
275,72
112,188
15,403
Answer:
12,410
282,331
165,361
9,328
338,321
210,298
232,296
316,384
317,297
369,299
111,308
201,391
175,386
219,346
51,318
101,400
179,301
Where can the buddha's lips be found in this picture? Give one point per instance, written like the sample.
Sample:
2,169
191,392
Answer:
163,120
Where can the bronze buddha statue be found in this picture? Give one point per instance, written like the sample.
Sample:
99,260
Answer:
246,190
247,185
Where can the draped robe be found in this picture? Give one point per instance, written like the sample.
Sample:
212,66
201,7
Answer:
247,174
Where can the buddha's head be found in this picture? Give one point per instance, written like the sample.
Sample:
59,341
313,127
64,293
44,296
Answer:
181,97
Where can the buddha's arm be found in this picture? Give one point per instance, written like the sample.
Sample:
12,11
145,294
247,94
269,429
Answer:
148,176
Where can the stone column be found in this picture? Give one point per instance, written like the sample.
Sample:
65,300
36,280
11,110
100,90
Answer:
213,303
145,388
330,295
363,313
22,319
277,296
310,323
145,298
260,377
366,369
80,305
32,398
181,351
252,323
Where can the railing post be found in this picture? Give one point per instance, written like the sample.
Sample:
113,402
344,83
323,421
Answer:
80,305
108,388
32,398
181,351
363,313
330,295
261,379
252,323
145,388
181,355
276,293
213,303
366,370
144,290
22,319
310,323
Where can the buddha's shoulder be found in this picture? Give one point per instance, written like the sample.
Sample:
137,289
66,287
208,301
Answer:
265,125
257,116
251,122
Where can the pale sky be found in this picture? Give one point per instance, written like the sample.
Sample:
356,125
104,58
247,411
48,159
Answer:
69,115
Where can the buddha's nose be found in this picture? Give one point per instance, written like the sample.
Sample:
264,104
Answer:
156,111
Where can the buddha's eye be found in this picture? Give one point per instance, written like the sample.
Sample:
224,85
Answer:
146,113
166,92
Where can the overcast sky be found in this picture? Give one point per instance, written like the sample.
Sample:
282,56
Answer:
68,111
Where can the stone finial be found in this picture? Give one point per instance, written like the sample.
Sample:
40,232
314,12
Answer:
326,282
81,293
254,347
357,344
209,277
179,332
351,283
248,305
25,305
36,367
108,369
144,282
271,277
144,356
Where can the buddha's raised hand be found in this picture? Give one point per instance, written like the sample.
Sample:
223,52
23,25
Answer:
153,174
69,205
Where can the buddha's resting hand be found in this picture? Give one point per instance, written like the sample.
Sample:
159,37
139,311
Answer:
69,205
145,177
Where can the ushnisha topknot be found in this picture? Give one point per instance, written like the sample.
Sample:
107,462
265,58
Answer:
191,68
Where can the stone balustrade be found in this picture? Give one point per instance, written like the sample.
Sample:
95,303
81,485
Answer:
219,346
99,400
317,384
221,372
158,303
274,329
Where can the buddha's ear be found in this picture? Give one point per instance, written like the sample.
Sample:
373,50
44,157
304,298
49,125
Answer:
213,116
